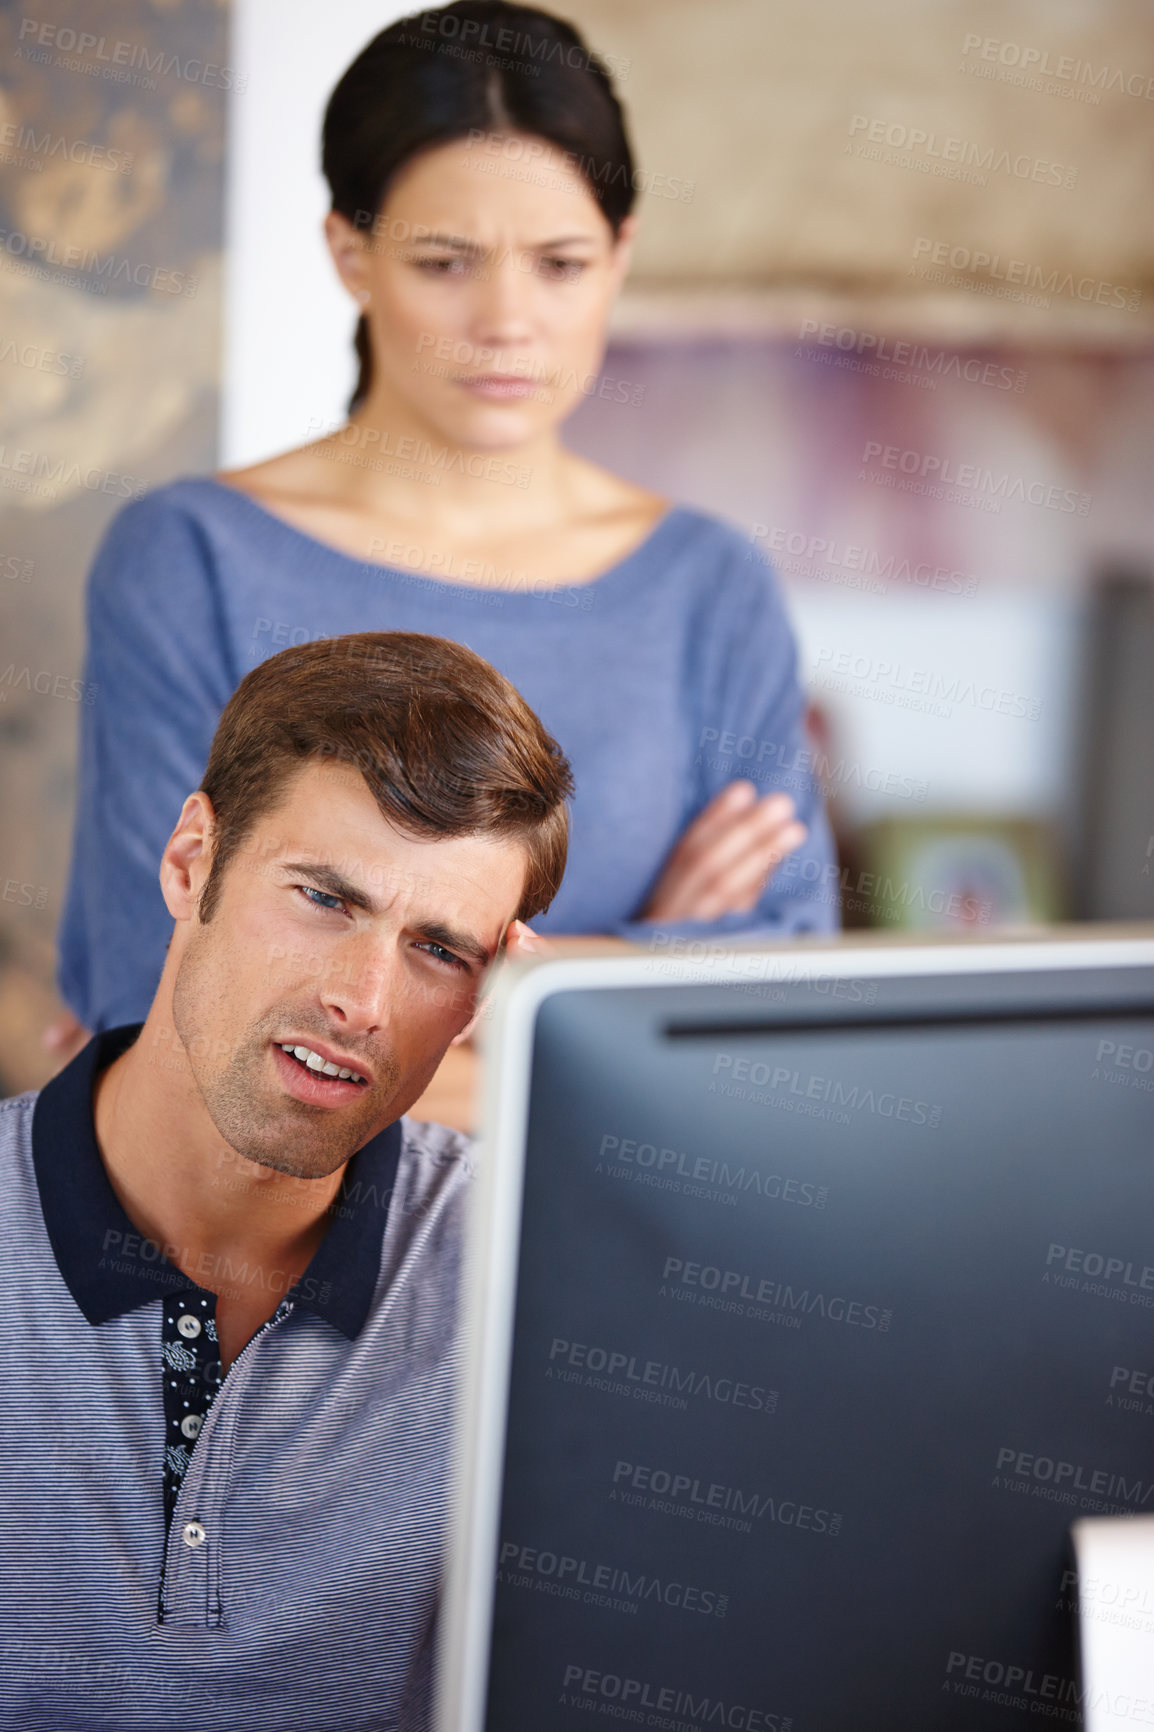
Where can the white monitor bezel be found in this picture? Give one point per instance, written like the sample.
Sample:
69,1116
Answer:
489,1281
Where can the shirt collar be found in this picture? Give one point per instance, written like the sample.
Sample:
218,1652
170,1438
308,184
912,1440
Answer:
110,1267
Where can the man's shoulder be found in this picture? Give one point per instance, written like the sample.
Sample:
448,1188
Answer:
438,1145
16,1117
18,1189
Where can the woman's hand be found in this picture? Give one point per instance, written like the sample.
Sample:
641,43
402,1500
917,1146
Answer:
522,941
722,862
64,1038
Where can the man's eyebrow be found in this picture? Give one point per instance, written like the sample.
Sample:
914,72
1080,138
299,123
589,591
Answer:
328,879
433,932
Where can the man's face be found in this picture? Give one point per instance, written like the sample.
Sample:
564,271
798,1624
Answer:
336,935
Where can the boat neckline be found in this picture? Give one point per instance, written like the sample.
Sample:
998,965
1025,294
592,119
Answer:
607,577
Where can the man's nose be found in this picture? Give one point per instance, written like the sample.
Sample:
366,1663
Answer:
356,988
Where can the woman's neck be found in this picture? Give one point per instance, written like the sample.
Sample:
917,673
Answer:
401,465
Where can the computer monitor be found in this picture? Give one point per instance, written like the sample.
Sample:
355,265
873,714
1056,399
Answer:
810,1300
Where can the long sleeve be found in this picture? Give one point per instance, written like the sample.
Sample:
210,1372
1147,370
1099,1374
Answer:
749,723
157,676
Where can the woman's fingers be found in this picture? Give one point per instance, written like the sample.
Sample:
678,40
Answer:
738,885
713,821
755,829
722,861
523,941
731,879
64,1032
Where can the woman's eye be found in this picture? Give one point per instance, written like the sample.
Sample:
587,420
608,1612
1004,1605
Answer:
443,267
563,270
319,898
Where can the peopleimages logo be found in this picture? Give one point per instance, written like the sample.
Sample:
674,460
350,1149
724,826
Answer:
1046,1475
897,683
37,251
666,1492
941,363
941,154
782,1081
578,1578
119,60
942,471
811,555
1022,274
735,1285
650,1379
1106,1270
706,1170
586,1687
1064,68
30,148
1007,1684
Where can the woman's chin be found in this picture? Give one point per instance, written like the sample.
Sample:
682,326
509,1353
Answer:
495,429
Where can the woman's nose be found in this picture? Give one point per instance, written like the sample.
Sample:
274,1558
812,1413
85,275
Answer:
503,297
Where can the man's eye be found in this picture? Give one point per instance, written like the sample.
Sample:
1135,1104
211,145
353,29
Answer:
440,954
319,898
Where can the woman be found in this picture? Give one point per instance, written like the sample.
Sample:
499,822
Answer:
481,222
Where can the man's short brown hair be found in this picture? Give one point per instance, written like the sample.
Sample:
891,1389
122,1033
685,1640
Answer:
445,744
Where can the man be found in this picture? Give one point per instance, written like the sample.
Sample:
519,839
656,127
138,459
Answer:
229,1266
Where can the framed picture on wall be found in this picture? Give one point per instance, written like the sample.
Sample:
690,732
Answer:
943,872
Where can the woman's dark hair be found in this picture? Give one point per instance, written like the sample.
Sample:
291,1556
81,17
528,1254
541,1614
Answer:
475,66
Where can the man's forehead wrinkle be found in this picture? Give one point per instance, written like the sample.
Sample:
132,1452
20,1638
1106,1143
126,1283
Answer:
384,880
332,880
407,895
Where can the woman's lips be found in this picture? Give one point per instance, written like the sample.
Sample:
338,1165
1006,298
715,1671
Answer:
498,387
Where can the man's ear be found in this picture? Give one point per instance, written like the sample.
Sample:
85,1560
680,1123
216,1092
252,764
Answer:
187,857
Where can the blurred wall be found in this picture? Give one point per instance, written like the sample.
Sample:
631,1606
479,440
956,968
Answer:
288,321
112,140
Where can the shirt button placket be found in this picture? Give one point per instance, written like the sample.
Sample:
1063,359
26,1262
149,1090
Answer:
188,1595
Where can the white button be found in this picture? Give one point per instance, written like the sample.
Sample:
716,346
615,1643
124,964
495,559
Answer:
193,1535
189,1326
191,1424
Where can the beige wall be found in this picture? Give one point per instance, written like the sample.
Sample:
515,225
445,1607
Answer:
766,105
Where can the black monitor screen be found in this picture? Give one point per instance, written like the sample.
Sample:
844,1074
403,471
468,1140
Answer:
835,1308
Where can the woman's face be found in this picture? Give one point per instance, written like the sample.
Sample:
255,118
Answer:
486,279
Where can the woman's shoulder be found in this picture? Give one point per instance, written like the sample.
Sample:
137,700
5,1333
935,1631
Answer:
169,537
719,561
720,541
188,499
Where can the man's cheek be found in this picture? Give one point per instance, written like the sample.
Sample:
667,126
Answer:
290,965
447,1004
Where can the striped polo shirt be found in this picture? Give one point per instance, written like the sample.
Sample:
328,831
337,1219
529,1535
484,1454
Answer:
295,1586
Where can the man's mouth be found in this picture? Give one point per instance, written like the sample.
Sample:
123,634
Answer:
318,1076
316,1061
